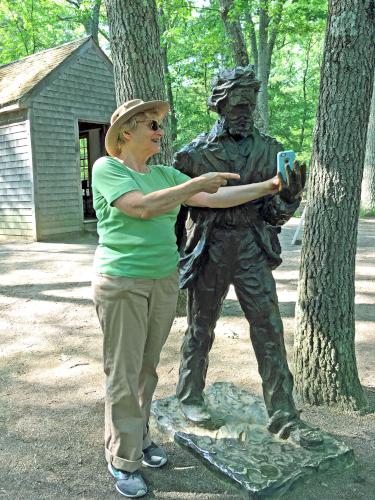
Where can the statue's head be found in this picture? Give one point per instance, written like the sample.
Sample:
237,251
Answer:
234,96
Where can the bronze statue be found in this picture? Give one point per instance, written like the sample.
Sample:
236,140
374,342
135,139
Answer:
236,246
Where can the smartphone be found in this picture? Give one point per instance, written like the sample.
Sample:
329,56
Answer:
285,158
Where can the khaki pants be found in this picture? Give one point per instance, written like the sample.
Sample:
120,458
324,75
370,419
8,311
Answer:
135,316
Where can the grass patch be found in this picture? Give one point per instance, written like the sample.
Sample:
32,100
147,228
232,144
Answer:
363,213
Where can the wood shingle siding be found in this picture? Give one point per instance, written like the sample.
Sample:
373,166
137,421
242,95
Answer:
40,175
16,212
76,93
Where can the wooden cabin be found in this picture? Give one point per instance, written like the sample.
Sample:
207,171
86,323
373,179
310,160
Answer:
55,107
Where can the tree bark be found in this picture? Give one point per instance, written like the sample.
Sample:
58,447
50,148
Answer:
304,91
234,33
325,363
262,49
92,22
168,80
253,40
137,56
263,68
368,182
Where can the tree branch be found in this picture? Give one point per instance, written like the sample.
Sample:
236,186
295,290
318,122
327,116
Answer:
75,3
263,35
104,34
275,29
253,40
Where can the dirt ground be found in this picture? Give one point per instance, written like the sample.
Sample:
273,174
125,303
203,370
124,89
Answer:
51,380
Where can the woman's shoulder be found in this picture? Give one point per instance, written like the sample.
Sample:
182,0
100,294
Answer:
106,165
160,167
163,170
173,176
105,161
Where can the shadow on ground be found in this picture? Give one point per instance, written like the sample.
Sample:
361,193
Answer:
51,380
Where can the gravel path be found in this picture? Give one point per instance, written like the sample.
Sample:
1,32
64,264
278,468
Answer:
51,381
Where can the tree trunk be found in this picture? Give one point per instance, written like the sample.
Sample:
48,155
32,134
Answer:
262,50
325,363
137,56
304,91
234,33
88,15
92,22
168,80
253,40
368,182
263,68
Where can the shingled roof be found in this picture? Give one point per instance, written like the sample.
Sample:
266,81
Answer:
20,77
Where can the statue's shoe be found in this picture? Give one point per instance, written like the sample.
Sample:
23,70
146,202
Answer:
279,420
195,413
286,425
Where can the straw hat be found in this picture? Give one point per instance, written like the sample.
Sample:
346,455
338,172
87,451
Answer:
124,112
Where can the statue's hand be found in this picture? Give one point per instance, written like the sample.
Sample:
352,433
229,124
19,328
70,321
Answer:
291,188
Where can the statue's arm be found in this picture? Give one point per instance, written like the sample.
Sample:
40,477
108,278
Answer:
191,161
275,211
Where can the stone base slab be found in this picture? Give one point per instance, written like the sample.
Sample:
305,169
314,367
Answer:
237,443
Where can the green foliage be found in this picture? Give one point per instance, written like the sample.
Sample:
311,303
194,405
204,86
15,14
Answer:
295,75
197,47
32,25
366,213
293,90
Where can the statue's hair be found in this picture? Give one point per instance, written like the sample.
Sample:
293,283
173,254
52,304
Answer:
225,80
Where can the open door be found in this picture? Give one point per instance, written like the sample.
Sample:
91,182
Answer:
91,147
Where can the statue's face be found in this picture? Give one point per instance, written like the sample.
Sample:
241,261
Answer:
238,110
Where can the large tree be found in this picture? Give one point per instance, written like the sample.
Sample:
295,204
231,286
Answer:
166,23
368,182
137,55
325,363
263,37
234,32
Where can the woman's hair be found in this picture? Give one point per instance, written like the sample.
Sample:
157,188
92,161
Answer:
132,123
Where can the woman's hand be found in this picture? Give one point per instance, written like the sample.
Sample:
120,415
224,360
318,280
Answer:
274,184
211,182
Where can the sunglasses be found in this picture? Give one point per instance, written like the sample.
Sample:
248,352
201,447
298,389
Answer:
152,125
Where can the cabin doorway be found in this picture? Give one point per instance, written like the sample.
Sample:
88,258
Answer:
91,147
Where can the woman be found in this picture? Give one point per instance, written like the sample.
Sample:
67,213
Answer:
135,287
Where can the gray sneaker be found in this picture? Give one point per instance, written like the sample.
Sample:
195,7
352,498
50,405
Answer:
129,484
154,456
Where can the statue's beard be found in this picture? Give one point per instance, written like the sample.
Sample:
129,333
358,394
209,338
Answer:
240,127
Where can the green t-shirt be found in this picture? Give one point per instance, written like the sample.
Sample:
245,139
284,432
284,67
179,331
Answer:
130,246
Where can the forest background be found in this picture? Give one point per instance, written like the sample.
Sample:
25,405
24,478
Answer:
185,43
284,39
195,45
